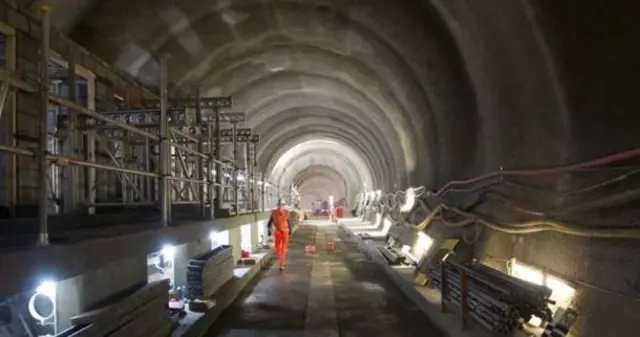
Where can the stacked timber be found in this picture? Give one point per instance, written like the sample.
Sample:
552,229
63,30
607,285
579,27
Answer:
142,313
208,272
495,300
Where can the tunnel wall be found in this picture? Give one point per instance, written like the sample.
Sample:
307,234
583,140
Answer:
546,74
605,274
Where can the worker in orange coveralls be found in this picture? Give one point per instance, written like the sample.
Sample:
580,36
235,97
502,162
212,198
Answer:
279,221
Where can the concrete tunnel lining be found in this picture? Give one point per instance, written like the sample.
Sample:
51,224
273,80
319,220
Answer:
505,105
394,81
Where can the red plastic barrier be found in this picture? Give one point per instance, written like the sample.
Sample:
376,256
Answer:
340,212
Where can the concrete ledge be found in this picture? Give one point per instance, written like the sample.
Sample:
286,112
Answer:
449,323
25,269
224,298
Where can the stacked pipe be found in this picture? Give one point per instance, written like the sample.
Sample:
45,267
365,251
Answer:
208,272
493,299
140,313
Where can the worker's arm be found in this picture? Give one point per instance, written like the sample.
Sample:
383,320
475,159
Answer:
269,225
289,223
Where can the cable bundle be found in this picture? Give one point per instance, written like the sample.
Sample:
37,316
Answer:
495,300
392,203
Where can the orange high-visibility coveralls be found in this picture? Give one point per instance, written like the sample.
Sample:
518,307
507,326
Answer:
280,222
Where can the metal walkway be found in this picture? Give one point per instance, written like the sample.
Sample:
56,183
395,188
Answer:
337,293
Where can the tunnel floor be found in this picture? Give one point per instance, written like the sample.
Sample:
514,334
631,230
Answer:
331,293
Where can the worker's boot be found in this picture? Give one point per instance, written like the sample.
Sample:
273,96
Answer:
281,268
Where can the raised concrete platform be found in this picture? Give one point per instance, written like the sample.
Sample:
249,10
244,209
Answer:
427,299
23,270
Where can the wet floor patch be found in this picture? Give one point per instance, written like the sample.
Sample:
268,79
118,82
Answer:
331,293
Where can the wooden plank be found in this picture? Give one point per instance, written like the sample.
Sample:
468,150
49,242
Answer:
104,327
143,322
124,305
159,321
163,330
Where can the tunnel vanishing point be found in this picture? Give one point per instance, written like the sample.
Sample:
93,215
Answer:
130,125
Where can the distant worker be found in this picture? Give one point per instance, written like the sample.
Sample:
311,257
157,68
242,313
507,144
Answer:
279,221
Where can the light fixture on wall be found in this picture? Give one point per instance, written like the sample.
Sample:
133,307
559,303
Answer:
42,304
422,245
409,201
47,288
562,293
219,239
246,242
168,252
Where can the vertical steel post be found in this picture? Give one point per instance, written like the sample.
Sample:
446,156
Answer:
254,166
43,205
249,178
148,181
90,172
11,177
262,191
200,161
212,179
235,169
218,149
165,192
124,180
72,136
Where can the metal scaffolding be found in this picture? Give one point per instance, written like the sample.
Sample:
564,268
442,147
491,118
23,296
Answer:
166,154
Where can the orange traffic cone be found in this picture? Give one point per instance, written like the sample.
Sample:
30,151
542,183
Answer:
310,248
331,246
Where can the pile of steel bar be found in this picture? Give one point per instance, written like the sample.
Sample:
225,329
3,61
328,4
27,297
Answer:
208,272
493,299
141,313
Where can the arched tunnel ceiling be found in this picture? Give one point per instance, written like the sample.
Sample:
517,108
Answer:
417,92
319,81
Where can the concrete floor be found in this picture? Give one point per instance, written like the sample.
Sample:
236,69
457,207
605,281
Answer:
337,293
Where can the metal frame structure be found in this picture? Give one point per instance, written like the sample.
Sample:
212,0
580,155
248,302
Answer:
166,154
